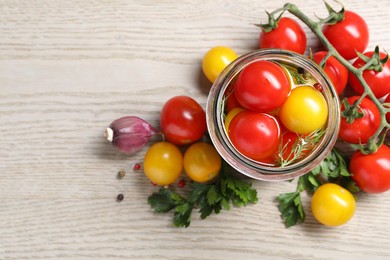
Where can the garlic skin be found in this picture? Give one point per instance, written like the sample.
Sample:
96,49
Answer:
129,134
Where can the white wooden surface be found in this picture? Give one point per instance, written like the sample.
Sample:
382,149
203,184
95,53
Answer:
68,68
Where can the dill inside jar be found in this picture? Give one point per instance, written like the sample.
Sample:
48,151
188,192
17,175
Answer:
273,112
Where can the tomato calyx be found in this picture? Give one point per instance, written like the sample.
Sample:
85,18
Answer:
372,145
351,112
334,16
374,62
272,21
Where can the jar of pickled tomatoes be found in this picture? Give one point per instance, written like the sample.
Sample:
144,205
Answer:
273,115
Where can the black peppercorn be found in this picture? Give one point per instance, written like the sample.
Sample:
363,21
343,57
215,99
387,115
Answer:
121,174
120,197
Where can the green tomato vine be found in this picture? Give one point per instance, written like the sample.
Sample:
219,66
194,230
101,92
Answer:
371,63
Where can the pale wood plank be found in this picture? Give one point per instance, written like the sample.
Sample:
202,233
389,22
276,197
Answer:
68,68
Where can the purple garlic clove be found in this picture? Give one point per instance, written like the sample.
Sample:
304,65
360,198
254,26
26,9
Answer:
129,134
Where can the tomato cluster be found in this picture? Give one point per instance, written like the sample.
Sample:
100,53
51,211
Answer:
183,124
260,108
266,105
361,118
371,172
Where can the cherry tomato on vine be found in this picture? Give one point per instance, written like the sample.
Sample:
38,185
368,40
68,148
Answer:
163,163
183,120
378,81
255,135
349,35
215,60
337,73
361,129
262,86
288,35
202,162
371,172
332,205
304,111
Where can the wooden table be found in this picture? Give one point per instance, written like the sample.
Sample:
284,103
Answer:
68,68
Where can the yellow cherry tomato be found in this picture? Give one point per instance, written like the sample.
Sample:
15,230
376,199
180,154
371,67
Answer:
332,205
304,111
215,60
231,115
163,163
202,162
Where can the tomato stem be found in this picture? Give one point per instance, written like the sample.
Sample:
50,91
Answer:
327,56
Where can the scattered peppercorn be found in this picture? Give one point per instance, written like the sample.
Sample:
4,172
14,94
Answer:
181,183
318,87
120,197
121,174
137,167
301,70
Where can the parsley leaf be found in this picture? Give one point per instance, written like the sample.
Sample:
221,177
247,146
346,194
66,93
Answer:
165,200
211,197
334,166
308,182
182,215
291,208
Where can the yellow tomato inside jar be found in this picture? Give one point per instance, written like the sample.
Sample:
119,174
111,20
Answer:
304,111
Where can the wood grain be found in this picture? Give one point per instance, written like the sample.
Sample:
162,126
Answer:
68,68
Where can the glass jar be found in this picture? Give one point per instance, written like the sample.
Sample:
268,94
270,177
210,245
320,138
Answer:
244,165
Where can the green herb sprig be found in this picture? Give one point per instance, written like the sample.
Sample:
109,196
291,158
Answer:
226,191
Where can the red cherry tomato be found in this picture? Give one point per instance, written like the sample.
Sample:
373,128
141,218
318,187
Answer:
289,141
289,35
362,128
232,103
337,73
349,35
231,100
183,120
262,86
255,135
371,172
387,100
378,81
